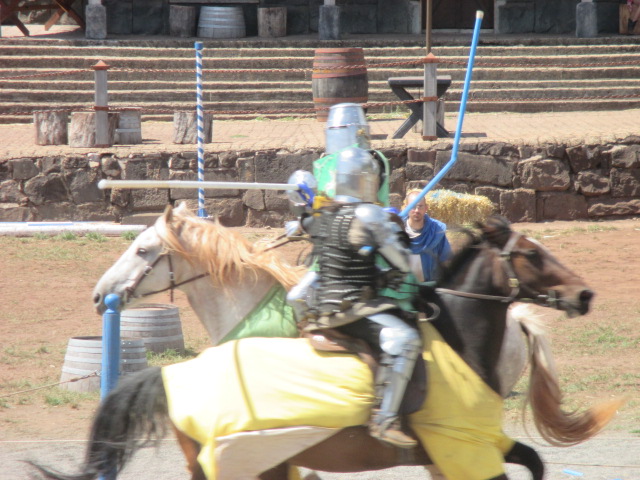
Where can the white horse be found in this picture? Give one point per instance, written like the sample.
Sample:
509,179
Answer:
225,278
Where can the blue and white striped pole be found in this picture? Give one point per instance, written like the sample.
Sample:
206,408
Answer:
200,118
463,107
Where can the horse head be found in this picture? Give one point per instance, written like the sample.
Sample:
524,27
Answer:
532,273
140,271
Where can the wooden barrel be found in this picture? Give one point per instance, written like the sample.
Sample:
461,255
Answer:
84,357
335,80
221,22
157,325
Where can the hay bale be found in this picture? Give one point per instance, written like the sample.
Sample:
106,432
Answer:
455,208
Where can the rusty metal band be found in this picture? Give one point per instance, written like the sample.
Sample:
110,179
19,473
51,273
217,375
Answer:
341,99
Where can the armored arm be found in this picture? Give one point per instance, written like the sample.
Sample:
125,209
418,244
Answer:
384,235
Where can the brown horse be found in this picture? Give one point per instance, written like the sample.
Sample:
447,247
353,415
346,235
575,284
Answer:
495,269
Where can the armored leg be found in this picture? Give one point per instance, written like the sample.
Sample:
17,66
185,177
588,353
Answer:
301,297
401,345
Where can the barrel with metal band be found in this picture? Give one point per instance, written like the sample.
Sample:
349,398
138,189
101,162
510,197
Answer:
339,76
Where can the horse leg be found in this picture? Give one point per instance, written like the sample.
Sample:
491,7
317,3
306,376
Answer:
191,449
526,456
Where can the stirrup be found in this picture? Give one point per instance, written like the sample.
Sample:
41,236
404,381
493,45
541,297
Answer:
389,431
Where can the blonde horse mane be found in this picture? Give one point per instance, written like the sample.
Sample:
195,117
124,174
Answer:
223,252
557,426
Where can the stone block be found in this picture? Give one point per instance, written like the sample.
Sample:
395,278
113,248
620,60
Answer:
329,22
96,18
477,168
275,201
492,193
592,183
586,20
149,199
625,183
422,156
46,188
518,205
625,156
278,168
254,199
612,207
230,212
10,193
563,206
23,169
83,186
584,158
12,212
265,219
544,174
419,171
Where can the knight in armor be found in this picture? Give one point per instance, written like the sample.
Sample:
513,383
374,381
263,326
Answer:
349,235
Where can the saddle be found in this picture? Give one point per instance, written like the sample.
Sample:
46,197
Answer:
332,340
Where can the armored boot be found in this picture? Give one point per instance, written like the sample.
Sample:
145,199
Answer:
385,424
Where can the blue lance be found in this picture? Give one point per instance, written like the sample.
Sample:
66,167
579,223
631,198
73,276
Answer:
463,106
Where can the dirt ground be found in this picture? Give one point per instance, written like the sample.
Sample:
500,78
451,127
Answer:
45,298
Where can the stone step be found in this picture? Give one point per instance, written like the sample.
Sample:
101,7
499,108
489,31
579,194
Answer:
185,49
151,86
565,73
306,63
479,73
303,94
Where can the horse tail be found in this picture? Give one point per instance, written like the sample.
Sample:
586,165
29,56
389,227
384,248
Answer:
134,415
557,426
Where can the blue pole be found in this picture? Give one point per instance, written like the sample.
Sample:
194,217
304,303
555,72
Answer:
110,355
110,345
463,107
200,116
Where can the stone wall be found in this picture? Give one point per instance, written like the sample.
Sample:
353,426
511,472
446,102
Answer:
525,183
550,16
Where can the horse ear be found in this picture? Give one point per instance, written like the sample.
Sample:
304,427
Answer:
168,214
496,230
182,208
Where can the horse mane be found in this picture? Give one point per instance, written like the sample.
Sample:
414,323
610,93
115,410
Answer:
495,231
467,249
224,252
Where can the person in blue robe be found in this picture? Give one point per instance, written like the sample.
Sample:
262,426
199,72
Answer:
429,244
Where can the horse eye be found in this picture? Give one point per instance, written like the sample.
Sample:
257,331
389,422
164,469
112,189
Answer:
142,251
533,255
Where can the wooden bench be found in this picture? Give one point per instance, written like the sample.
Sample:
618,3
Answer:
399,86
9,11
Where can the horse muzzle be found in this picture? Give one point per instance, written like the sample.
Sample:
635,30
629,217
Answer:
576,304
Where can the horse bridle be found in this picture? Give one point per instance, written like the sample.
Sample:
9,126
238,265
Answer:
130,290
551,300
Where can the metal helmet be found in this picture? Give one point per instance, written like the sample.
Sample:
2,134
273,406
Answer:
346,126
302,198
357,176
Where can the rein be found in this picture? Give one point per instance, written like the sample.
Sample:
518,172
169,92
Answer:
514,284
172,282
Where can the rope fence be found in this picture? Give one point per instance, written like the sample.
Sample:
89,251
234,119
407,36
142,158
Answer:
50,385
473,96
